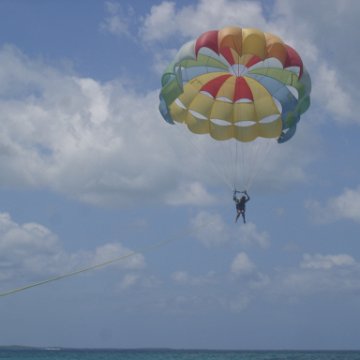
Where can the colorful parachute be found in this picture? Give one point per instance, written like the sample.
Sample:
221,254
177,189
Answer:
236,83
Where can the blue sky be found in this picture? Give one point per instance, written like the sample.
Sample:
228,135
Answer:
91,172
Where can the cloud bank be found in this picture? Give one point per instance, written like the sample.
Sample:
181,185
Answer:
32,252
343,206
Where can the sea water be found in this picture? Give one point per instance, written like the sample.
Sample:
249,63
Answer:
66,354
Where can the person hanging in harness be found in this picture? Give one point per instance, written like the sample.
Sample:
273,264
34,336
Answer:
240,204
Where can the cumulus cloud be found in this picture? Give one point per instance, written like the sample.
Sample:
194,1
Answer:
323,41
212,230
326,262
118,19
83,138
344,206
329,91
191,20
117,250
26,248
242,265
316,274
160,18
31,251
295,284
185,22
249,234
334,29
129,280
192,194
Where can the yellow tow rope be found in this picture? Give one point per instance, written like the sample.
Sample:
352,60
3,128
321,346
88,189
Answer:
100,265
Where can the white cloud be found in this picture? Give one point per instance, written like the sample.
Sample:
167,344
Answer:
129,280
160,18
347,205
294,284
190,194
80,137
110,251
344,206
330,93
329,32
249,235
132,280
316,274
118,19
323,40
191,20
242,265
31,251
326,262
210,228
26,248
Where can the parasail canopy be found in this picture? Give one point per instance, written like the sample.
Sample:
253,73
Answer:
236,83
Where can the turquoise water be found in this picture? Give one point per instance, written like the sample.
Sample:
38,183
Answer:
175,355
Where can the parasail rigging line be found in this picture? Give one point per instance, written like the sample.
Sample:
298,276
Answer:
220,173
